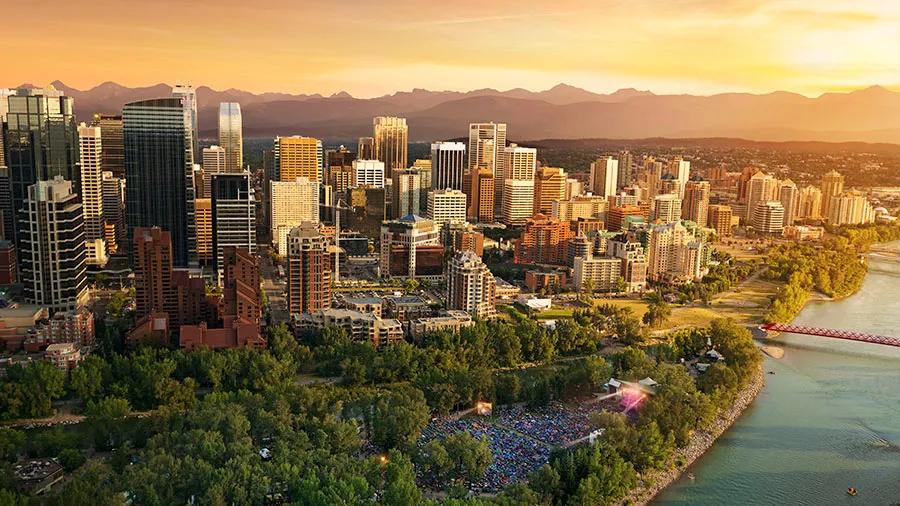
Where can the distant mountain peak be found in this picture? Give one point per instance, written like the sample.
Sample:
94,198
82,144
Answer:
341,94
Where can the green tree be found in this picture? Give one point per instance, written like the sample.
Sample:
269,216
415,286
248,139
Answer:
71,459
87,381
400,482
105,418
399,417
11,443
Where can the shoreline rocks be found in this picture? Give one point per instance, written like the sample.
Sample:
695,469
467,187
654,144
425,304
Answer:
654,482
773,351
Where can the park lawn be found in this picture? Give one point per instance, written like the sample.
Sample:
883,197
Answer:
690,317
555,313
749,303
638,306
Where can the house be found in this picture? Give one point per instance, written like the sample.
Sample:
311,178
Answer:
714,356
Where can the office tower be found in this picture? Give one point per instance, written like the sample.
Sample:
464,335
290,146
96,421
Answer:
789,196
623,179
340,157
116,231
603,272
463,237
544,241
487,142
390,143
850,208
340,178
518,201
9,266
665,208
214,162
152,253
653,171
446,206
292,203
585,206
406,190
518,164
233,215
90,152
549,185
52,258
203,218
411,248
673,253
186,92
366,148
231,136
481,206
681,169
574,188
367,211
744,182
832,186
241,294
768,217
760,188
160,172
309,279
810,203
7,216
471,286
720,220
370,173
696,201
604,176
448,165
298,157
113,154
424,168
326,204
41,143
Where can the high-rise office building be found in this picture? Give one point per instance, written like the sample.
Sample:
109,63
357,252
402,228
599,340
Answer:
406,190
623,179
298,157
584,206
810,203
115,229
188,94
696,201
471,286
215,161
91,154
411,248
160,173
113,155
789,196
604,176
446,206
574,188
681,169
309,279
292,203
370,173
518,201
481,205
365,150
549,185
744,182
673,253
768,217
487,142
832,186
233,215
231,136
8,217
203,219
390,142
340,178
152,253
41,142
52,258
448,165
761,188
519,163
720,220
665,208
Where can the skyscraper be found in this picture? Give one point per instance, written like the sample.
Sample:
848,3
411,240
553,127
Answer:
768,217
761,188
696,200
604,176
113,155
152,252
682,170
160,189
371,173
90,152
665,208
215,161
233,215
309,279
446,206
298,157
549,185
481,206
789,196
487,142
390,142
850,208
673,253
203,219
406,190
626,160
471,286
519,163
448,165
41,142
292,203
518,201
411,248
231,136
832,186
186,92
365,149
810,203
52,257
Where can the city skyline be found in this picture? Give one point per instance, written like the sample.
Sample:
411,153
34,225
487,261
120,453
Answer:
687,46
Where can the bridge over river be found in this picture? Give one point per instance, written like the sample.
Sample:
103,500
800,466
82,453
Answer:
836,334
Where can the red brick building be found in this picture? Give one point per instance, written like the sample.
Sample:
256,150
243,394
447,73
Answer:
8,264
535,280
544,241
237,332
242,295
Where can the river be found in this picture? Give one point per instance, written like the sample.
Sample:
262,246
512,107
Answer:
828,420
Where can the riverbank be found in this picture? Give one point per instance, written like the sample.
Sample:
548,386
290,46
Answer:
654,482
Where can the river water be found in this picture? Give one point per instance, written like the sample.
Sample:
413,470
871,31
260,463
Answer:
828,420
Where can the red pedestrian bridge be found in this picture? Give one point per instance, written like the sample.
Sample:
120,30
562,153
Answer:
837,334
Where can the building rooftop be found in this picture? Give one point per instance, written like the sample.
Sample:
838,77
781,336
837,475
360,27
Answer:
363,300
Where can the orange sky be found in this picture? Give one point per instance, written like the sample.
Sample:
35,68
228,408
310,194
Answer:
373,47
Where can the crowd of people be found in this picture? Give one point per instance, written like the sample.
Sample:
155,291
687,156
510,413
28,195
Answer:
520,440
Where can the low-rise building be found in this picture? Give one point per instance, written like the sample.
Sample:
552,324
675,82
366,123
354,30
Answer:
63,356
359,326
506,290
364,305
536,280
804,233
237,332
450,321
36,476
407,307
75,327
15,323
534,303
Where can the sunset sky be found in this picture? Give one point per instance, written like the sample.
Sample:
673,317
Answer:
373,47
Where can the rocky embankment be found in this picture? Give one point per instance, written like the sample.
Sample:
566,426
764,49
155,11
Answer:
654,482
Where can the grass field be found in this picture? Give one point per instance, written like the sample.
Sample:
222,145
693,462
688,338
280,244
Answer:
690,317
639,306
747,304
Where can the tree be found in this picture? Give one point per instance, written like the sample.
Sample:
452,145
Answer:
104,417
507,388
399,417
88,378
400,482
410,285
11,443
657,313
71,459
470,456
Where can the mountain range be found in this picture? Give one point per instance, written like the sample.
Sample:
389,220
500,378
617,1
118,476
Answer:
562,112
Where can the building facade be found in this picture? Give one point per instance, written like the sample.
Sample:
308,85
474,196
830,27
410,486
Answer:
446,206
411,248
448,165
471,286
391,146
309,279
233,216
231,135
